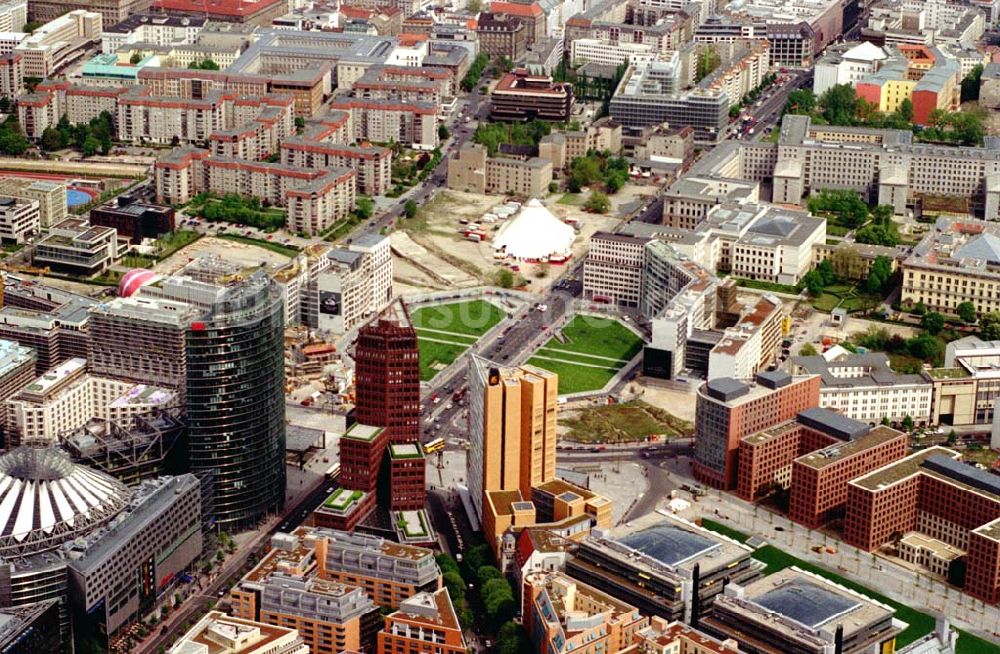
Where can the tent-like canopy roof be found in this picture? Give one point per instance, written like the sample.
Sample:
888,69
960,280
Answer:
535,234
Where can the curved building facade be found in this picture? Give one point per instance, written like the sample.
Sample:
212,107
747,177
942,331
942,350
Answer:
235,400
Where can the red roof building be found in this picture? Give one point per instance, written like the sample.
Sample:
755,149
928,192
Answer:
259,12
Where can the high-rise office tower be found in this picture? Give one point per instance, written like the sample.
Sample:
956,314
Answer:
234,391
383,450
512,424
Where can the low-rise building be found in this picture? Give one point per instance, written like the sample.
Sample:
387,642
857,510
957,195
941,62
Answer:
569,616
158,29
75,246
662,565
520,95
426,623
473,171
58,42
51,197
774,611
218,632
865,387
132,219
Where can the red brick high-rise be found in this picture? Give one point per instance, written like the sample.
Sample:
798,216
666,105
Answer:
387,387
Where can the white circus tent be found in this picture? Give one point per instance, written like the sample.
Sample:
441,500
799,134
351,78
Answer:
534,234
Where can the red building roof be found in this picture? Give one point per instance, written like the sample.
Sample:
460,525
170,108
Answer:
232,8
513,9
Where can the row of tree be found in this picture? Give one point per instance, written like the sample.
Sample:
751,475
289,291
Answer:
493,135
90,138
475,71
598,167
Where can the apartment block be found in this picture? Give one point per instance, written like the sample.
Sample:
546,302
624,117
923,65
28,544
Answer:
372,165
727,410
473,171
425,623
502,35
751,345
66,397
284,591
11,75
564,614
50,321
864,387
51,197
17,370
414,124
662,636
742,72
356,284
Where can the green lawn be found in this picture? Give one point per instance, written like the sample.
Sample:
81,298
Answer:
474,318
598,336
445,331
919,623
591,352
572,199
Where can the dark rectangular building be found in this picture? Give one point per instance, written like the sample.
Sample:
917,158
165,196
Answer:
134,220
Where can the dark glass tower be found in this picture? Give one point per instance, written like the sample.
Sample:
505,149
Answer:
235,396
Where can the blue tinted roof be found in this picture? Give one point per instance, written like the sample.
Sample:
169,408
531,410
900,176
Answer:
807,603
668,544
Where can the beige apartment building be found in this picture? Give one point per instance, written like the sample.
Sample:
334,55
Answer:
51,197
561,148
372,165
55,43
413,124
472,171
66,397
612,271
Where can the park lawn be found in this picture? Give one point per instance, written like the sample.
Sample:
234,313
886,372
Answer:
572,199
434,354
473,318
457,339
578,357
826,302
920,624
173,241
599,336
576,379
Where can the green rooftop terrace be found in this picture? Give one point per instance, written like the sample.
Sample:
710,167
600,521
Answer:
363,432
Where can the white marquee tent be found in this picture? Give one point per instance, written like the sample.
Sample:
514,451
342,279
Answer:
534,234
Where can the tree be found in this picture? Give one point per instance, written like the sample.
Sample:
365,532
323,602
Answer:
989,326
879,275
512,639
597,203
925,347
826,272
135,58
970,84
966,311
4,104
474,6
800,101
845,206
808,350
410,209
364,206
905,110
204,64
813,281
952,437
933,322
847,264
51,140
907,423
443,132
505,278
840,104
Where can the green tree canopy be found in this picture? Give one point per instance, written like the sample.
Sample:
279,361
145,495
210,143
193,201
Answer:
966,311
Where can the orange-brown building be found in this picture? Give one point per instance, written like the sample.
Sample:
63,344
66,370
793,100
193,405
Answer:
728,409
424,624
934,493
566,615
283,590
512,414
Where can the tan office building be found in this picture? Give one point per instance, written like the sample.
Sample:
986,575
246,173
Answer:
513,428
472,171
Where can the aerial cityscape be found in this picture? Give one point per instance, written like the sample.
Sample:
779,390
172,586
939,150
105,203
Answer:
500,326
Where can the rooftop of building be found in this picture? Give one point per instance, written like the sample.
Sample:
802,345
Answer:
665,544
844,450
428,609
571,605
157,19
854,370
218,633
13,355
939,462
405,451
805,605
361,432
227,8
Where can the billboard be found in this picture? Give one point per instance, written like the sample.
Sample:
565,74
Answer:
330,303
657,363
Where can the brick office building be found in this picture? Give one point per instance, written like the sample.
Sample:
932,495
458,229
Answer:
380,455
935,494
519,95
728,409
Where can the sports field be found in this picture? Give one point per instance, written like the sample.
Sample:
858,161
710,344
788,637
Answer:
445,331
587,353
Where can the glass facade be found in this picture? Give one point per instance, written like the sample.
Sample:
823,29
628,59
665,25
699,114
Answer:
236,403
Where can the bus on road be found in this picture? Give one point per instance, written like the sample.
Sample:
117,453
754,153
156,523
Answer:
436,445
